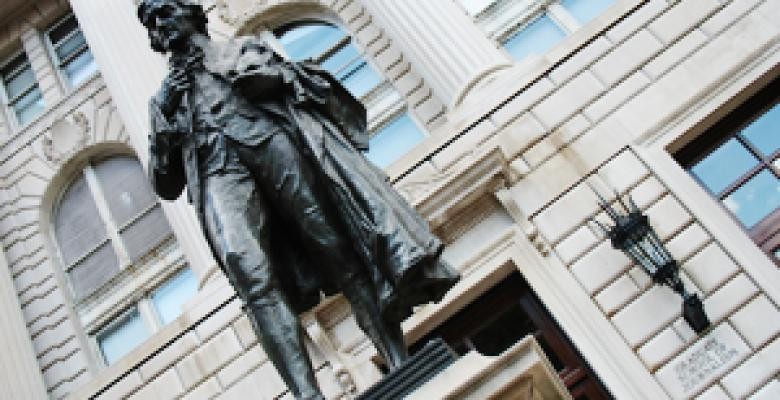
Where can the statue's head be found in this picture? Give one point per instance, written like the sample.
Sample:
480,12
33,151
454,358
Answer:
171,22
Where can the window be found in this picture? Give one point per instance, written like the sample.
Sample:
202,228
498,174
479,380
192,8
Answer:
393,140
70,51
107,220
738,162
21,91
330,47
524,30
136,324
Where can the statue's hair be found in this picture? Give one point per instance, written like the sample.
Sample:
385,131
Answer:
195,10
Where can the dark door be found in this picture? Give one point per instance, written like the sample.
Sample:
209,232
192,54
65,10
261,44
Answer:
507,313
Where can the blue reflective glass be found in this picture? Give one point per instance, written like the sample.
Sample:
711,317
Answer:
29,106
724,165
354,72
20,82
755,199
310,40
359,78
80,68
764,133
585,10
71,45
172,294
393,141
123,337
338,61
536,38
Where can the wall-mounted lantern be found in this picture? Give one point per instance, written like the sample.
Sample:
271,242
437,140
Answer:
633,235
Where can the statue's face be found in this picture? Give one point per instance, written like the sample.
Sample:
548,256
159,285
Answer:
169,25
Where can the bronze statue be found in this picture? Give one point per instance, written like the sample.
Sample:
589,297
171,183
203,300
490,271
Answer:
269,151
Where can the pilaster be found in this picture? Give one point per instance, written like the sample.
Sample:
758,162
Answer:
20,376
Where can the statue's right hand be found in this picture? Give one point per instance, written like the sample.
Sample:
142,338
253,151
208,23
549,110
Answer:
176,84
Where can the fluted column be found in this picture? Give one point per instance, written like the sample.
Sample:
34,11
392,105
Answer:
133,72
442,42
20,374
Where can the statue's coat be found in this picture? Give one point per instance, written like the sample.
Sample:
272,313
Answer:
329,126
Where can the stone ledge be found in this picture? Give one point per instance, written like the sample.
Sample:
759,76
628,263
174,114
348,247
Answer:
521,372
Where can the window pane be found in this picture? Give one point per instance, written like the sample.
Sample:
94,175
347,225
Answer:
80,68
68,25
123,337
13,65
353,72
337,62
359,78
393,141
755,199
91,273
724,165
764,133
146,233
585,10
309,40
29,106
71,45
125,187
78,227
16,85
172,294
536,38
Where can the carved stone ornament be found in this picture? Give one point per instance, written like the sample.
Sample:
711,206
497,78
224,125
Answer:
65,136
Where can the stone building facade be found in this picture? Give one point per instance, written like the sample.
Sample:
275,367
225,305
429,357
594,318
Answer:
496,119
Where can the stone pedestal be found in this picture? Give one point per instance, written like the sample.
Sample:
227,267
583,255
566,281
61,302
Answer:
521,372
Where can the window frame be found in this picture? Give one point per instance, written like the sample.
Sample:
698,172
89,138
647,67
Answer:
503,19
58,64
8,103
164,252
143,303
348,39
765,233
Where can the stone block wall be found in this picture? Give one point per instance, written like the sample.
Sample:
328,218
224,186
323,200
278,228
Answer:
588,113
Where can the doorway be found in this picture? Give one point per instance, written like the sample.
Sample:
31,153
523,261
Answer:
507,313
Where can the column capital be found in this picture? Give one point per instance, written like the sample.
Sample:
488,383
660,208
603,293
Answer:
451,53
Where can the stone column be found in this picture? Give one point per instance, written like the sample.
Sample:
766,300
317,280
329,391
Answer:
445,46
20,375
133,72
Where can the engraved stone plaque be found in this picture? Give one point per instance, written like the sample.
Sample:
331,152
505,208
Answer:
704,362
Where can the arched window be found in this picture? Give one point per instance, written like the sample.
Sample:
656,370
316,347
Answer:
330,47
108,218
107,224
